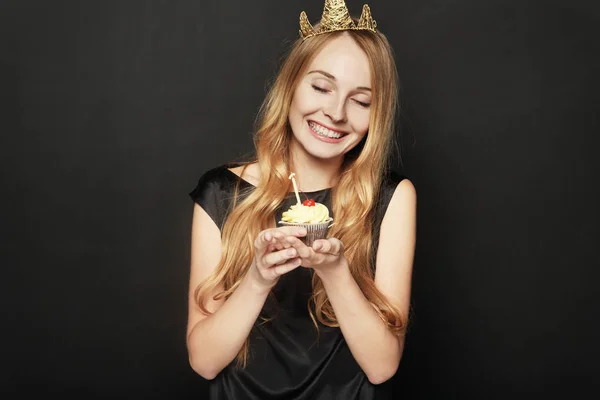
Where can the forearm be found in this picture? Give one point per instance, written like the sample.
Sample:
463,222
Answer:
216,340
375,348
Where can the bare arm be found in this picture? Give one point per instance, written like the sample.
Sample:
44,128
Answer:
375,348
214,341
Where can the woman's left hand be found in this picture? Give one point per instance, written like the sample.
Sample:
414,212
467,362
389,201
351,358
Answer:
325,256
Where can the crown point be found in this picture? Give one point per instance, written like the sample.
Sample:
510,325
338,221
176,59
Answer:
366,19
336,18
306,29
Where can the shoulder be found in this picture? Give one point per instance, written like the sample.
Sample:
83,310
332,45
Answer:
395,184
218,175
213,185
399,217
392,179
402,204
395,188
215,191
397,181
400,188
217,179
404,193
247,172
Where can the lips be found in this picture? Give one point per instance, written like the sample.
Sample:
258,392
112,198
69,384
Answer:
325,133
341,132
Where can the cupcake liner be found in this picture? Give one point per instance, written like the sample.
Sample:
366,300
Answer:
313,231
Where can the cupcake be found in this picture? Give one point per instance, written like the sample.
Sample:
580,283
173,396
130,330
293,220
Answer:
308,214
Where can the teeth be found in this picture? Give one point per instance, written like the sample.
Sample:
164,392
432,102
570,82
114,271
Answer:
321,130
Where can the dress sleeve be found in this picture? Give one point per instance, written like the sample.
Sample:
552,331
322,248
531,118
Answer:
386,192
388,188
213,194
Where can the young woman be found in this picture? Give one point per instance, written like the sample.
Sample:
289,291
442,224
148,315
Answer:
273,318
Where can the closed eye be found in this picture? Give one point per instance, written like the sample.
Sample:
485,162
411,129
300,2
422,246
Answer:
362,104
319,89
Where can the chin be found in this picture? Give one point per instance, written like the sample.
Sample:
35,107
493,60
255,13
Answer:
321,154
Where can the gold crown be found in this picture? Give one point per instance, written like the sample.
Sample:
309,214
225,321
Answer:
336,18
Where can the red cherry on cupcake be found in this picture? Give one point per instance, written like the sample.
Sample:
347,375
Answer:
309,203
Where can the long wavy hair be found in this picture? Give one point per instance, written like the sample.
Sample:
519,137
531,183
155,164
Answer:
353,198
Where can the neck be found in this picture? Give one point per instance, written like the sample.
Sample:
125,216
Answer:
312,173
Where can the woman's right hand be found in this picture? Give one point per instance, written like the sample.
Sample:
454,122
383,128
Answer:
274,255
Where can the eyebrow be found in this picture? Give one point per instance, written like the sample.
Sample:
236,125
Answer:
328,75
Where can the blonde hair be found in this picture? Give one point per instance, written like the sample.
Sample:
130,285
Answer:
353,199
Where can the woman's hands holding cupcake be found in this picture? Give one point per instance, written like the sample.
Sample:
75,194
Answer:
300,242
274,255
325,256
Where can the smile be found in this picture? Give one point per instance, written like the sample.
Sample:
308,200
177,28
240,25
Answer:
324,133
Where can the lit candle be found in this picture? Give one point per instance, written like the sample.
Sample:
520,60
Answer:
295,187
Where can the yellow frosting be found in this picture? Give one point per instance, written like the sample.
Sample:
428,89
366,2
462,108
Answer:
301,214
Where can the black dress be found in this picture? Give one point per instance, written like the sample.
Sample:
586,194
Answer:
287,360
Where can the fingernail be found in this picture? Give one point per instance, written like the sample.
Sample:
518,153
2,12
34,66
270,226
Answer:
291,252
302,232
297,261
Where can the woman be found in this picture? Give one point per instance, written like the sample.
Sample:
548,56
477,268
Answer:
272,318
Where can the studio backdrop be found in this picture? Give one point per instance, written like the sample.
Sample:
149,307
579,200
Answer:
111,111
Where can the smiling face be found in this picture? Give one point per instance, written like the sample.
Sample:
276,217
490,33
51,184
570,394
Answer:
330,109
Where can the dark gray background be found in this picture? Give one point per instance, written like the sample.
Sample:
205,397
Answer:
111,111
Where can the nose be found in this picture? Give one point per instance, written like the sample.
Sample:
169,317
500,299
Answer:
336,110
